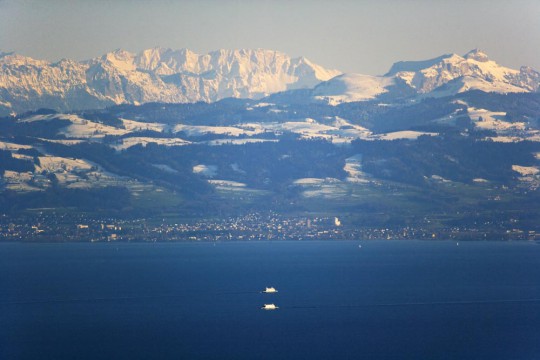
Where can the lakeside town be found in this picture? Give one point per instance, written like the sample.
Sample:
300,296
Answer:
55,227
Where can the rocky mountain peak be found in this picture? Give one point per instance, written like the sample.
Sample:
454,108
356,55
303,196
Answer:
477,55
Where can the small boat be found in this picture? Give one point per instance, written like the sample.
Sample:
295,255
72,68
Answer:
269,290
269,307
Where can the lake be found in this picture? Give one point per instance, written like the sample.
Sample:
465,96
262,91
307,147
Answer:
337,300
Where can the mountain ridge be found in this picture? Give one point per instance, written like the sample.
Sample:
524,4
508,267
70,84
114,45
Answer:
445,75
183,76
153,75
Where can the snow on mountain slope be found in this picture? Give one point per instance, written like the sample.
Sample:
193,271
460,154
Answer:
409,135
78,127
352,87
161,75
328,188
89,129
466,83
12,146
69,172
200,130
476,70
229,141
526,170
28,84
415,66
353,168
59,164
442,76
132,141
491,120
133,125
205,170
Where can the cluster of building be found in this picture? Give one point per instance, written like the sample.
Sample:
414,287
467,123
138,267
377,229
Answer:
50,226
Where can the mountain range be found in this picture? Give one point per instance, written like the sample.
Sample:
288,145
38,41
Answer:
182,76
153,75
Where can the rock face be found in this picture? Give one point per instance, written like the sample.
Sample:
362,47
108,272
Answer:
157,74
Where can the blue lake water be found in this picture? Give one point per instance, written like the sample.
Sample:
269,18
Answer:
383,300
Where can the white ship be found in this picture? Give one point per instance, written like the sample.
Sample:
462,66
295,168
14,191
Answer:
269,307
269,290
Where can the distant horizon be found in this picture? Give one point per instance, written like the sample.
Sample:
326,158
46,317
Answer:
363,37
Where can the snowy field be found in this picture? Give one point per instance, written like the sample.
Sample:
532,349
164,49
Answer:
126,143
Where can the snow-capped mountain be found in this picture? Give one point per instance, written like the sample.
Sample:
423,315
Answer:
181,76
442,76
162,75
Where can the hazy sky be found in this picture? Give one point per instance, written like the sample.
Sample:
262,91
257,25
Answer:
352,36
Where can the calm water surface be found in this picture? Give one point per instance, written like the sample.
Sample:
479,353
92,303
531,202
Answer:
383,300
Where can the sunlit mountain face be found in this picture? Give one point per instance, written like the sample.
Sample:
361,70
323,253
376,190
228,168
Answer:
182,76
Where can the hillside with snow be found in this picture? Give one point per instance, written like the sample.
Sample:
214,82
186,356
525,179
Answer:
471,153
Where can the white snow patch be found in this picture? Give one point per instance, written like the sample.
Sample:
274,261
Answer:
68,142
218,142
338,131
133,125
328,188
439,178
493,120
79,127
89,129
527,135
23,157
353,167
194,130
467,83
526,170
326,192
410,135
227,184
505,139
132,141
309,181
16,181
352,87
205,170
263,104
12,146
38,118
56,164
533,136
